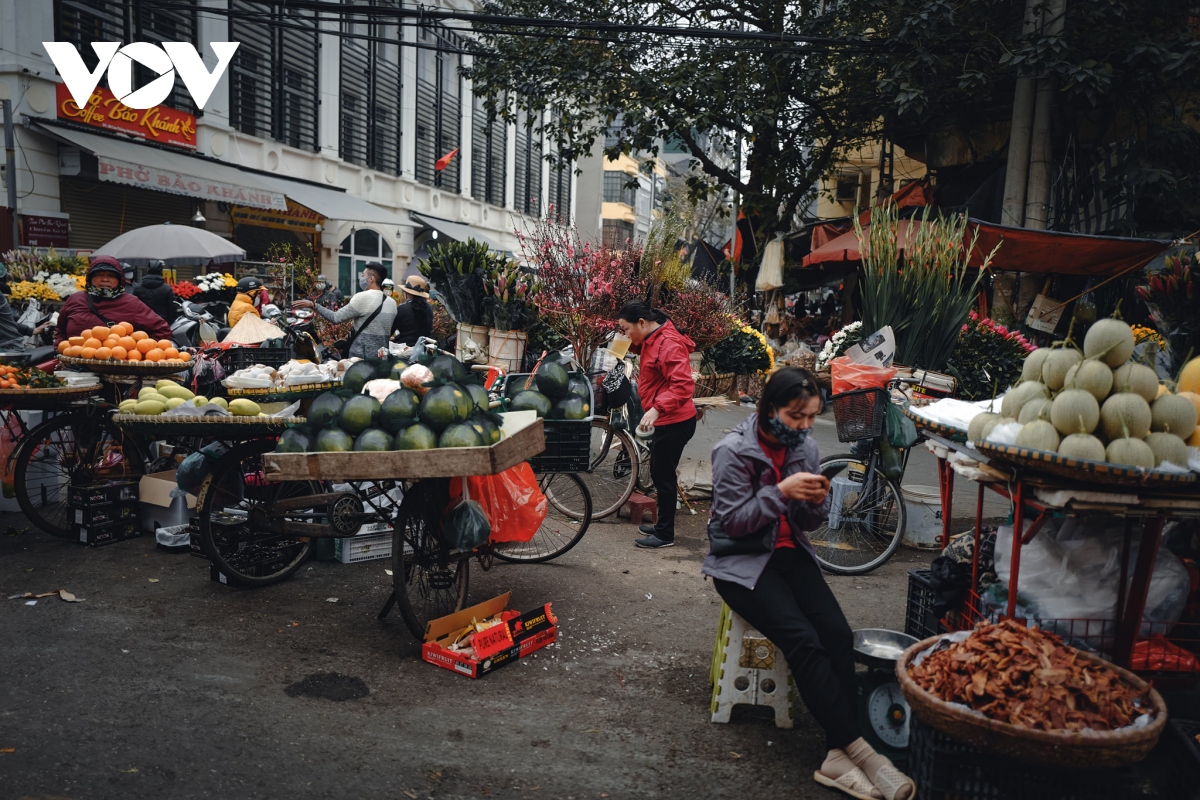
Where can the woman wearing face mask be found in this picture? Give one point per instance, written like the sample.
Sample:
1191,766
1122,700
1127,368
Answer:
766,475
105,302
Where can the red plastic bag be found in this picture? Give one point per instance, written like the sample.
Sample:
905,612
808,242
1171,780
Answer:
847,375
10,440
512,501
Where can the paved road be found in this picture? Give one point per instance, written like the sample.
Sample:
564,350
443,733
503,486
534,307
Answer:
164,684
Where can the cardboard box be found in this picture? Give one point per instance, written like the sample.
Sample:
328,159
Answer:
92,516
103,493
159,508
108,533
517,636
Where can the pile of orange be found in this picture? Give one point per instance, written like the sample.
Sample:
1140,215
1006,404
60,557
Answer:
121,343
10,377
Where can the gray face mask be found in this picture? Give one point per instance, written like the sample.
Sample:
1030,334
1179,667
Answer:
790,438
362,282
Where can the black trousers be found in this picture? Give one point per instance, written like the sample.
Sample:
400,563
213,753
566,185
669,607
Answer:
793,607
666,448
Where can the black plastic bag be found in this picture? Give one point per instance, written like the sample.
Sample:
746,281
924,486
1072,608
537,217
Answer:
466,527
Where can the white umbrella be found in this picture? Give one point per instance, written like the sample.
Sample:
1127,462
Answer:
174,244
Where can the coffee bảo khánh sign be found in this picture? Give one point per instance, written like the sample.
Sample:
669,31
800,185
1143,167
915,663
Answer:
161,124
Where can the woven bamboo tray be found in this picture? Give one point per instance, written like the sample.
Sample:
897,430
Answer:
143,368
223,428
46,399
1099,749
291,393
713,384
936,428
1078,469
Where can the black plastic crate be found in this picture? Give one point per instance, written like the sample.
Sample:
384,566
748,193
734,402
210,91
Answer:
568,446
860,413
920,620
946,769
1179,741
236,358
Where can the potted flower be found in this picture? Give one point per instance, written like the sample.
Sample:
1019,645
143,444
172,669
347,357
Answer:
509,301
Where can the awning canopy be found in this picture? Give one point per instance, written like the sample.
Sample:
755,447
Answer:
175,173
454,230
332,203
1021,250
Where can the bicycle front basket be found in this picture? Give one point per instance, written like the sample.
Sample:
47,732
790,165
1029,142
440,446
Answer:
860,413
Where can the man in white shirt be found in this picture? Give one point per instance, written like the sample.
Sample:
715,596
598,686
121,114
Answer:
371,309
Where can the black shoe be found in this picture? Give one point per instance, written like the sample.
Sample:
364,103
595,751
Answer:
654,543
649,530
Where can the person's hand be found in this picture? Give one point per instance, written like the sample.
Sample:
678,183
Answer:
302,304
805,486
648,420
40,328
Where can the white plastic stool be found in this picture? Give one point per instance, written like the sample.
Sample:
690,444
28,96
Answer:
747,668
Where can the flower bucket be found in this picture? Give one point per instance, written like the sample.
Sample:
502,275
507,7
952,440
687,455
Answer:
506,349
470,333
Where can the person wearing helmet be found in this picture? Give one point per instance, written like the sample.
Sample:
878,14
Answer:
155,292
130,274
105,302
249,299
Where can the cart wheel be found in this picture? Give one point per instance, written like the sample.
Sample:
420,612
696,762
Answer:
568,514
230,498
69,449
429,581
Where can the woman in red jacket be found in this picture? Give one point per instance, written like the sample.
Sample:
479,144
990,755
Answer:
666,387
105,302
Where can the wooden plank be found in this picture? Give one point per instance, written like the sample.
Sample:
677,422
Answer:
408,464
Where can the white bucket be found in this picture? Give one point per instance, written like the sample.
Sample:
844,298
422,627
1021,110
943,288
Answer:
506,349
924,505
474,333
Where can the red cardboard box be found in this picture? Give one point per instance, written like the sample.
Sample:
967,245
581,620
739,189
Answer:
518,635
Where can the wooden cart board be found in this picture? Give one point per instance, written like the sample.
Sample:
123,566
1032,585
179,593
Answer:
521,445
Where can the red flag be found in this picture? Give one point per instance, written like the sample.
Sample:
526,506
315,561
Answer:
444,161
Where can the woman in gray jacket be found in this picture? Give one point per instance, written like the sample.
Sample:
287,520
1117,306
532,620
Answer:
766,478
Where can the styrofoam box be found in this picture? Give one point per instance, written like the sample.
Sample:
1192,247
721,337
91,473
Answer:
363,548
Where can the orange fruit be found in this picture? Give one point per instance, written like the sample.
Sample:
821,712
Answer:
111,342
78,340
100,332
127,342
185,356
163,344
104,353
134,355
93,342
139,335
119,353
87,352
146,345
74,351
63,345
154,355
170,352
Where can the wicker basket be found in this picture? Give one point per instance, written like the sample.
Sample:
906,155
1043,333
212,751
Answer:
221,428
713,384
936,428
1094,749
1084,471
46,399
136,368
284,394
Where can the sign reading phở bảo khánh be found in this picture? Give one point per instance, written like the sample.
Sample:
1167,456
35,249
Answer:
164,180
161,124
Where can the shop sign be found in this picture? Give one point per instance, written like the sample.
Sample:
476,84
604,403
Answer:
297,218
161,124
165,180
38,231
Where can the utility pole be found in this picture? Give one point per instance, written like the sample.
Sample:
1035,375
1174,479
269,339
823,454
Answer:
1037,204
10,168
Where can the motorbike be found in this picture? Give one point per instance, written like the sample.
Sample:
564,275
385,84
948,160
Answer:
194,327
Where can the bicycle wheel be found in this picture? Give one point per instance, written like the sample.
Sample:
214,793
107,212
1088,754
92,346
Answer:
428,579
70,449
612,474
568,514
236,509
866,522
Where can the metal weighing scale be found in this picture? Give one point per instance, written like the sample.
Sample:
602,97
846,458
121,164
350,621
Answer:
882,710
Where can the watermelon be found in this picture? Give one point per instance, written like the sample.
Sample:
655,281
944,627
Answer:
531,401
293,440
373,439
578,386
358,414
443,406
334,440
324,410
448,368
357,375
397,369
416,437
552,379
479,397
571,407
460,434
399,410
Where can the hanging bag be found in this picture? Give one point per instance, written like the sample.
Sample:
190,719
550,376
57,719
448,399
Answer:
343,345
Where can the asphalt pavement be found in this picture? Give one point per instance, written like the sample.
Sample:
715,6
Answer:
165,684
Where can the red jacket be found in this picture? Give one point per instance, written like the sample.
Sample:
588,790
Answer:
75,316
665,378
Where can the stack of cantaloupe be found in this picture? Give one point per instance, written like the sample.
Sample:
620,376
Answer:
1098,405
121,343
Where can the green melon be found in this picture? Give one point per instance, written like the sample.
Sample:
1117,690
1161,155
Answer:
1016,397
1035,409
324,410
357,375
982,420
448,368
358,414
293,440
572,408
1056,366
1110,340
1094,377
1125,414
463,400
1082,446
1130,452
399,410
1136,378
552,379
1074,411
531,401
334,440
442,406
460,434
373,439
1039,435
1173,414
479,397
1167,447
1031,369
416,437
578,386
490,430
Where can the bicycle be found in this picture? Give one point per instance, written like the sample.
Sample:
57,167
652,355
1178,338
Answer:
619,462
867,516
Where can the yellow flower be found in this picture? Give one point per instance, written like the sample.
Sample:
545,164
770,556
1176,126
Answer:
229,281
757,334
1142,333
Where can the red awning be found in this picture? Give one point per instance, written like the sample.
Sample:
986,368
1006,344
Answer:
1021,250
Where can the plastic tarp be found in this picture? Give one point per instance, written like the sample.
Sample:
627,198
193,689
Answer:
1021,250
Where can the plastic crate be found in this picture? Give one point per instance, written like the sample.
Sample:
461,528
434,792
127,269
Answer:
363,547
236,358
860,413
920,620
568,442
945,769
1179,741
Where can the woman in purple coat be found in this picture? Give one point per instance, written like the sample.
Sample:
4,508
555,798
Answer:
767,476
